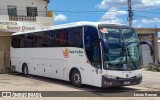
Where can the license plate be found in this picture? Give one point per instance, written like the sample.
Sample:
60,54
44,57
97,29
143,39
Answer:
126,83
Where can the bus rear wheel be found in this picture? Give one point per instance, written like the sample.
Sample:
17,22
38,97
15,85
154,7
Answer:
76,78
25,69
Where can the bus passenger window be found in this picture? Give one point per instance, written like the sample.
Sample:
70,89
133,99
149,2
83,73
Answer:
39,41
22,41
75,37
16,41
63,37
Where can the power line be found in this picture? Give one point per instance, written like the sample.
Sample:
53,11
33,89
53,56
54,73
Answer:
83,11
63,11
79,11
145,16
146,11
95,12
91,12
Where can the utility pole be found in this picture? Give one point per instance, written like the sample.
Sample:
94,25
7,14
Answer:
130,13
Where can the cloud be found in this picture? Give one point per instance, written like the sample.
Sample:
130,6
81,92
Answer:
146,22
146,4
60,17
109,3
112,16
154,20
139,26
135,21
136,4
116,11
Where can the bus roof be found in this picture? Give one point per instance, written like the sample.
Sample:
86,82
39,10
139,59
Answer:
69,25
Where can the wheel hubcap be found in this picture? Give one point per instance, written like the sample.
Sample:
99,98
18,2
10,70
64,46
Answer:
77,78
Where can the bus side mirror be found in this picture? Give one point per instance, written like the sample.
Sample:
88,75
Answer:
150,46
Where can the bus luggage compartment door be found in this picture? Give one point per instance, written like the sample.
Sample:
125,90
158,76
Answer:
65,70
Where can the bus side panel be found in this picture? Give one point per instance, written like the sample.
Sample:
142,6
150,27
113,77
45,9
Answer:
86,74
35,67
48,68
79,61
14,65
17,59
57,70
14,62
18,64
65,71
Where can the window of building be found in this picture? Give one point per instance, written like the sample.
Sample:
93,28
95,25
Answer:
32,11
12,10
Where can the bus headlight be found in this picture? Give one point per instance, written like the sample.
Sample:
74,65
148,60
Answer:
110,76
139,75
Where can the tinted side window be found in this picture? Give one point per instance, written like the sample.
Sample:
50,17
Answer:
90,35
75,37
92,47
38,39
47,40
53,38
29,40
71,37
15,41
63,37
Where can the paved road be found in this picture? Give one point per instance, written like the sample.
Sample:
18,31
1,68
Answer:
151,80
17,82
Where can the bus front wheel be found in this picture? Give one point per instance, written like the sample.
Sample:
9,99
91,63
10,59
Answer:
76,78
25,69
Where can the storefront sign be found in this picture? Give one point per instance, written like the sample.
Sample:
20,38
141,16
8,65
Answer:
17,26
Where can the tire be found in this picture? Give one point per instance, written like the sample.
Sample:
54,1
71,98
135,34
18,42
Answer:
25,69
76,78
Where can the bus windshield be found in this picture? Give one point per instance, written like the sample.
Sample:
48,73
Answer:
123,48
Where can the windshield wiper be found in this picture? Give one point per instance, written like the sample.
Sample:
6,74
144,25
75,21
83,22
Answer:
133,62
125,46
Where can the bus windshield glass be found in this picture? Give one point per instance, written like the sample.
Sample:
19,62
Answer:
123,48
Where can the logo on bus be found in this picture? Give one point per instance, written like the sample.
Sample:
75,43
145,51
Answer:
66,53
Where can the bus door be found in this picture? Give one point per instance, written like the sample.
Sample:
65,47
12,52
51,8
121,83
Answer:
96,63
92,49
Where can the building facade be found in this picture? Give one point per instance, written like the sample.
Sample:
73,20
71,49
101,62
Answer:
149,35
20,15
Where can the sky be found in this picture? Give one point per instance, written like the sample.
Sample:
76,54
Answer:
146,12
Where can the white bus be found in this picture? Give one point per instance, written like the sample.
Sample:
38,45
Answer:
91,53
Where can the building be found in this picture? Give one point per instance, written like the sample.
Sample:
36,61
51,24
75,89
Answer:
159,48
20,15
150,35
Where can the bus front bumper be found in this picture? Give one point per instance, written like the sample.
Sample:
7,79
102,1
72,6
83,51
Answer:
107,82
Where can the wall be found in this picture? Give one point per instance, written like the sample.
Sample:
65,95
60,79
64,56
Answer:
18,26
8,26
21,6
159,48
153,39
4,53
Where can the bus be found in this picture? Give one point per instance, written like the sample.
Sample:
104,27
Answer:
91,53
